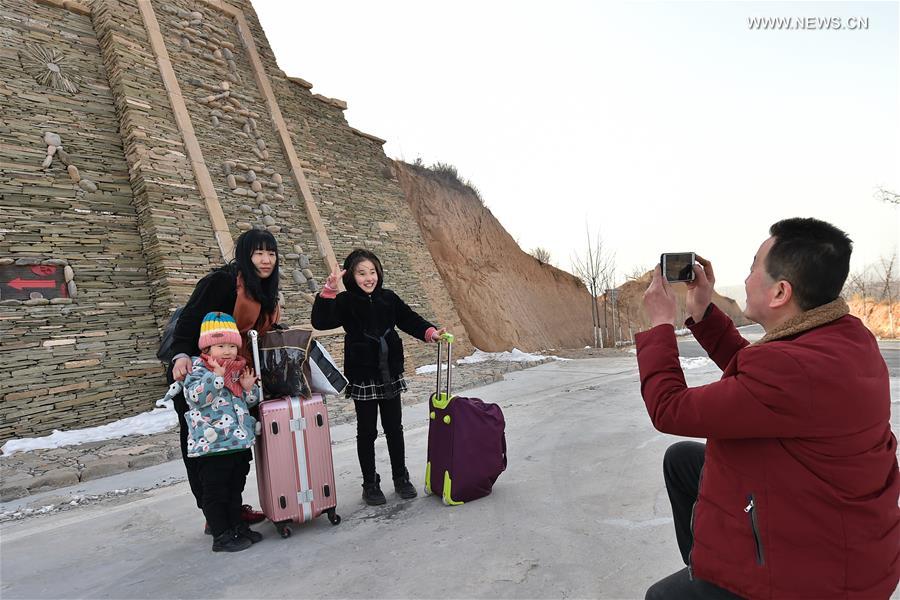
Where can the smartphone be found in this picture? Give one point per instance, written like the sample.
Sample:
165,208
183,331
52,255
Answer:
678,266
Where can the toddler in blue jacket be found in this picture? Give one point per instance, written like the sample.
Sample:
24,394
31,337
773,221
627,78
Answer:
219,390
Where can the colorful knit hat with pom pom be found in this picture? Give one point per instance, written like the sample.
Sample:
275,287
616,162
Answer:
218,328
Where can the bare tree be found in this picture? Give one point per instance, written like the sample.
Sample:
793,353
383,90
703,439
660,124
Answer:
595,269
858,285
636,273
541,254
888,287
887,196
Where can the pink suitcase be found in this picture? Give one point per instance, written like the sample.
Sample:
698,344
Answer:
294,467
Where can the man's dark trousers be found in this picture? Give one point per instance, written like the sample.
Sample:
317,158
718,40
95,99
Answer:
682,466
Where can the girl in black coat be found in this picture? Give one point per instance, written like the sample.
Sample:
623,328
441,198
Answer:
373,360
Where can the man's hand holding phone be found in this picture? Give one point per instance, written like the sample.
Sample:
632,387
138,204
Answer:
700,290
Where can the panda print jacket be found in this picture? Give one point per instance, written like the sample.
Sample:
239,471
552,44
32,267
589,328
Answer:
218,421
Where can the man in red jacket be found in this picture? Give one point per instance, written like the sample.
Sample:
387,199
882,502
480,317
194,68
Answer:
794,494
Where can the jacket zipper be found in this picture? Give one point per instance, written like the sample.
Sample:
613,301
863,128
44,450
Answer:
693,510
750,509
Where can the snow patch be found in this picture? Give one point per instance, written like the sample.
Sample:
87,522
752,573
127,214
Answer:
157,420
695,362
514,355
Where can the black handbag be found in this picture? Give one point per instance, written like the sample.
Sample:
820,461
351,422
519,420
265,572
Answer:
165,352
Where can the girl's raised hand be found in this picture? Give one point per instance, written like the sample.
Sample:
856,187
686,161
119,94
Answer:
335,276
217,368
248,379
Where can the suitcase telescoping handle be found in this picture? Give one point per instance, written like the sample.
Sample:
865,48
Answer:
446,337
254,343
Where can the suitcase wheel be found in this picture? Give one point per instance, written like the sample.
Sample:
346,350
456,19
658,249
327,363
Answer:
283,529
334,517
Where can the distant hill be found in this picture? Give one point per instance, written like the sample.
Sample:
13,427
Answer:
505,297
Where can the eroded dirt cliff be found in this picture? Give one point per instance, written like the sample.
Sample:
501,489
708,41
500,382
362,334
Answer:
505,297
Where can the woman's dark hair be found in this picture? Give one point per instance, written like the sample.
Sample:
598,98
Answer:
354,258
814,256
264,291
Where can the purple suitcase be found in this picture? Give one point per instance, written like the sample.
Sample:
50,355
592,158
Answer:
294,467
466,444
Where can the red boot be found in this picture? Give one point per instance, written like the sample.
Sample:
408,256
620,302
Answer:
250,516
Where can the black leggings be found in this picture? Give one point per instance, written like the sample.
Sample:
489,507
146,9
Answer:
222,477
367,431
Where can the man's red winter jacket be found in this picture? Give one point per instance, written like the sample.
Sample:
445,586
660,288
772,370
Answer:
799,491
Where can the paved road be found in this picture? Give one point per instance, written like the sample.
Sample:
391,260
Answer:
581,512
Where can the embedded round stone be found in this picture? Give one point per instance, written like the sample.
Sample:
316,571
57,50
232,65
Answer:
60,301
241,191
268,219
47,160
53,67
62,155
73,173
259,226
225,85
196,15
244,226
274,229
276,178
227,54
251,175
299,277
52,139
256,186
87,185
232,183
72,289
215,121
245,208
265,208
261,143
312,285
304,261
69,273
296,231
35,296
291,256
307,272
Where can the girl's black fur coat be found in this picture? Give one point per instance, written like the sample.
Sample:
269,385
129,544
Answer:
365,318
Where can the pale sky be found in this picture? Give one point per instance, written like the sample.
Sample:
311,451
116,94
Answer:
667,126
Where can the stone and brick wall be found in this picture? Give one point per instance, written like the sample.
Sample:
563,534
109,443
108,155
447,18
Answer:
140,139
87,355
